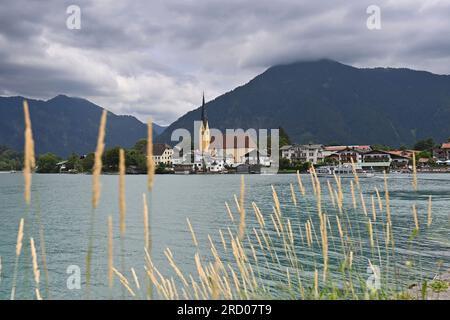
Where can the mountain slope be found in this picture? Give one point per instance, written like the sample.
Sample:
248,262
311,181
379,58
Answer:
158,129
63,125
327,102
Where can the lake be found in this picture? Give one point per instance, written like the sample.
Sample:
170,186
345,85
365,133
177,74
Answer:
63,204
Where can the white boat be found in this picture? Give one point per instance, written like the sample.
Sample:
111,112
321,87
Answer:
344,171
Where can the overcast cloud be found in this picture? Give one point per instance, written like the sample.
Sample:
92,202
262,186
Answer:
155,57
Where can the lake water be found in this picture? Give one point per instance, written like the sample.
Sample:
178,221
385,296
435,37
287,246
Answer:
63,204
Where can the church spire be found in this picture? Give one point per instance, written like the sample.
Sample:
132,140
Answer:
204,116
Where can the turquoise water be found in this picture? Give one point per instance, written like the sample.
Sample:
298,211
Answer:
62,204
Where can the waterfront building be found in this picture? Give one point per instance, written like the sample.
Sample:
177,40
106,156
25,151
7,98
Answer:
380,160
442,154
312,153
351,154
162,154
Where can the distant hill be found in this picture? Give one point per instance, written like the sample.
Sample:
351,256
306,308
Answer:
328,102
63,125
158,129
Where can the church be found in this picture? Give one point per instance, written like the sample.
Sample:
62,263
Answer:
204,134
228,149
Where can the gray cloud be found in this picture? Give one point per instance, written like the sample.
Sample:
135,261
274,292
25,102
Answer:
154,58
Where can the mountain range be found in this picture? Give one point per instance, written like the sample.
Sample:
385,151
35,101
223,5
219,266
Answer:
327,102
63,125
320,101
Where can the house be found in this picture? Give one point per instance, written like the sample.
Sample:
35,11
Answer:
442,154
400,159
216,166
380,160
312,153
342,153
232,147
287,152
162,154
62,166
351,154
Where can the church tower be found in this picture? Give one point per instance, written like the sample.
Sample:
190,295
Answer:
205,137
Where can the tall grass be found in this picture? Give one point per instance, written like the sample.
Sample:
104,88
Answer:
318,245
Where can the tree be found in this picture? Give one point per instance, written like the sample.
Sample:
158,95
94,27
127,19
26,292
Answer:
47,163
382,147
10,159
74,163
137,159
424,145
161,168
88,162
141,146
285,163
111,159
284,138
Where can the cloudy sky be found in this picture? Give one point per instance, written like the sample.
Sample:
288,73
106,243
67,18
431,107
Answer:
155,57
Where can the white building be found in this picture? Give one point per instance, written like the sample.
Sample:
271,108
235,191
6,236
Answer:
313,153
162,154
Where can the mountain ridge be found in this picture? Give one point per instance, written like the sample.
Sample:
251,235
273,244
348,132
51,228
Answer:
325,101
63,125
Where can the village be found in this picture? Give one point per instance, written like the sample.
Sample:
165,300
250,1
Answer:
364,157
240,154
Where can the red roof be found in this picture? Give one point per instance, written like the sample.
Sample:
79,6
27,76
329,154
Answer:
445,145
402,153
341,148
335,148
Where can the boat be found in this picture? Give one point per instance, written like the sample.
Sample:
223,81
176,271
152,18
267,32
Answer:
343,171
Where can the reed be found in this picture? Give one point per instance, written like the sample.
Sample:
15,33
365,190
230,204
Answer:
194,238
416,218
124,282
98,163
370,228
374,210
122,204
29,157
18,251
96,192
136,279
414,167
300,184
150,161
36,271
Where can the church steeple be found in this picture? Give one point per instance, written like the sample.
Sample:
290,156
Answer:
205,138
204,116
